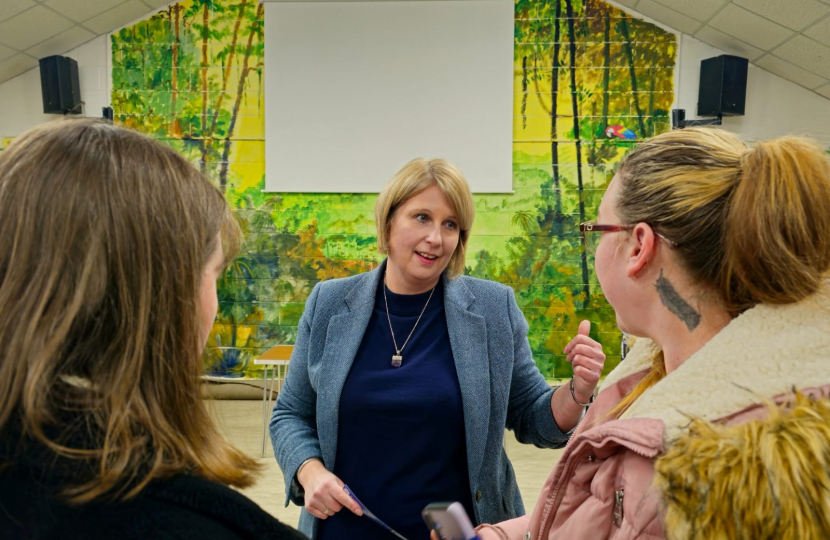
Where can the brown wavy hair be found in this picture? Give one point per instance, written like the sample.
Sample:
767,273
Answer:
104,235
751,224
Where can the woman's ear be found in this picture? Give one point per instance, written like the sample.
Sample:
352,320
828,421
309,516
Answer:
641,249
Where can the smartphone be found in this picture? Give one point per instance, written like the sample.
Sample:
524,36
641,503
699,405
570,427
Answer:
449,520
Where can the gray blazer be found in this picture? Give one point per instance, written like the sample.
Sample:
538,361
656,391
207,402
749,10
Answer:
500,384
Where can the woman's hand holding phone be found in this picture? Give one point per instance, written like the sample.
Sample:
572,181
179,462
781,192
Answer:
448,521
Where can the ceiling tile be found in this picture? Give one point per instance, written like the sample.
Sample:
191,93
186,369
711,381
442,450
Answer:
795,14
823,90
117,17
727,43
6,52
806,53
667,16
14,66
820,32
700,10
82,10
749,27
10,8
155,4
18,31
793,73
62,43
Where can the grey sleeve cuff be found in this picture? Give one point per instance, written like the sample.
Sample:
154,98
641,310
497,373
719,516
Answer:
546,424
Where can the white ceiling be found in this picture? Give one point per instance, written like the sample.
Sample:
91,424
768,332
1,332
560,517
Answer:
33,29
790,38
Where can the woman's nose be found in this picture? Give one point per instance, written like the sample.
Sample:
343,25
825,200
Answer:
434,236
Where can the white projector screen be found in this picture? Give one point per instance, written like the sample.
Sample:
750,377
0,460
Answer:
354,90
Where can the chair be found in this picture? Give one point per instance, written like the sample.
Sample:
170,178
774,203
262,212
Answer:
275,360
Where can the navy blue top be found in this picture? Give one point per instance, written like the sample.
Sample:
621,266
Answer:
400,440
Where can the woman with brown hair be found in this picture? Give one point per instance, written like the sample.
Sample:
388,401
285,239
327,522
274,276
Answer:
717,424
110,247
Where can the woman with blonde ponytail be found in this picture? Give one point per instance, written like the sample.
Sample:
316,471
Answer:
717,424
110,247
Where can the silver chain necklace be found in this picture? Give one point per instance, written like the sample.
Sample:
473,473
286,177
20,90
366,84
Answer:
397,359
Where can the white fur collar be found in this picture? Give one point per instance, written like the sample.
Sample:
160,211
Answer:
766,351
639,358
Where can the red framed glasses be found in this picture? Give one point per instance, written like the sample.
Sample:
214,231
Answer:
592,240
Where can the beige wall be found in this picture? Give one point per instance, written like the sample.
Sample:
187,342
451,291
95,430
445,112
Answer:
22,104
774,106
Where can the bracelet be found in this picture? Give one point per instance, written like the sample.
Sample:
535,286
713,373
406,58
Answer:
571,385
303,464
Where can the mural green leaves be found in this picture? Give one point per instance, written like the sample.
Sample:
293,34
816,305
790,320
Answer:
191,75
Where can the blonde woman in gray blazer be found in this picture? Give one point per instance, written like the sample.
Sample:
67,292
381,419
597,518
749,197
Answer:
403,379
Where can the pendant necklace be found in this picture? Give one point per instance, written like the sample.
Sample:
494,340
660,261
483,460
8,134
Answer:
397,359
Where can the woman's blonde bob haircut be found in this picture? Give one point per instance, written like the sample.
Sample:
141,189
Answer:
104,237
413,178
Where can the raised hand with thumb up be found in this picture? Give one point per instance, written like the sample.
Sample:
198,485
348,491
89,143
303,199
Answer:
587,358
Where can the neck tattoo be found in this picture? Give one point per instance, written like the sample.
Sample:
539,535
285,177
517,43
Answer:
397,358
675,303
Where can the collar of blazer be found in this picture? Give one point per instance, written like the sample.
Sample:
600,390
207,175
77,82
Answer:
766,351
364,290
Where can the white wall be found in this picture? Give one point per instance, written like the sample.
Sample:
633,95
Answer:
21,102
774,106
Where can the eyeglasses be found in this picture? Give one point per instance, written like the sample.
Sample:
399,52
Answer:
592,240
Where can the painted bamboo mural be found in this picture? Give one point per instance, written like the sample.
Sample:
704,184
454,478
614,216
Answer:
191,75
586,291
556,218
629,53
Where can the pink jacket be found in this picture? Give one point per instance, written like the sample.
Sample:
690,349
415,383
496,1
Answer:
603,486
599,487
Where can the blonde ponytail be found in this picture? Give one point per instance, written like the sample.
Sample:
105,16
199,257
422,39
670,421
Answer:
777,227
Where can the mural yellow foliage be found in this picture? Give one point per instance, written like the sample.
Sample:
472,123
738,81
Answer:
588,78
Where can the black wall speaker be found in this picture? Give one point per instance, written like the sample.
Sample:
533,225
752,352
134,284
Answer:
722,89
59,85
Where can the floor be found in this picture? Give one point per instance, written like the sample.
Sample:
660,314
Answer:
241,421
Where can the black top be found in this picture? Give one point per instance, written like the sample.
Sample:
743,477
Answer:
182,507
401,438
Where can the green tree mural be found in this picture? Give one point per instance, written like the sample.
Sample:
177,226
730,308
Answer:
191,75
